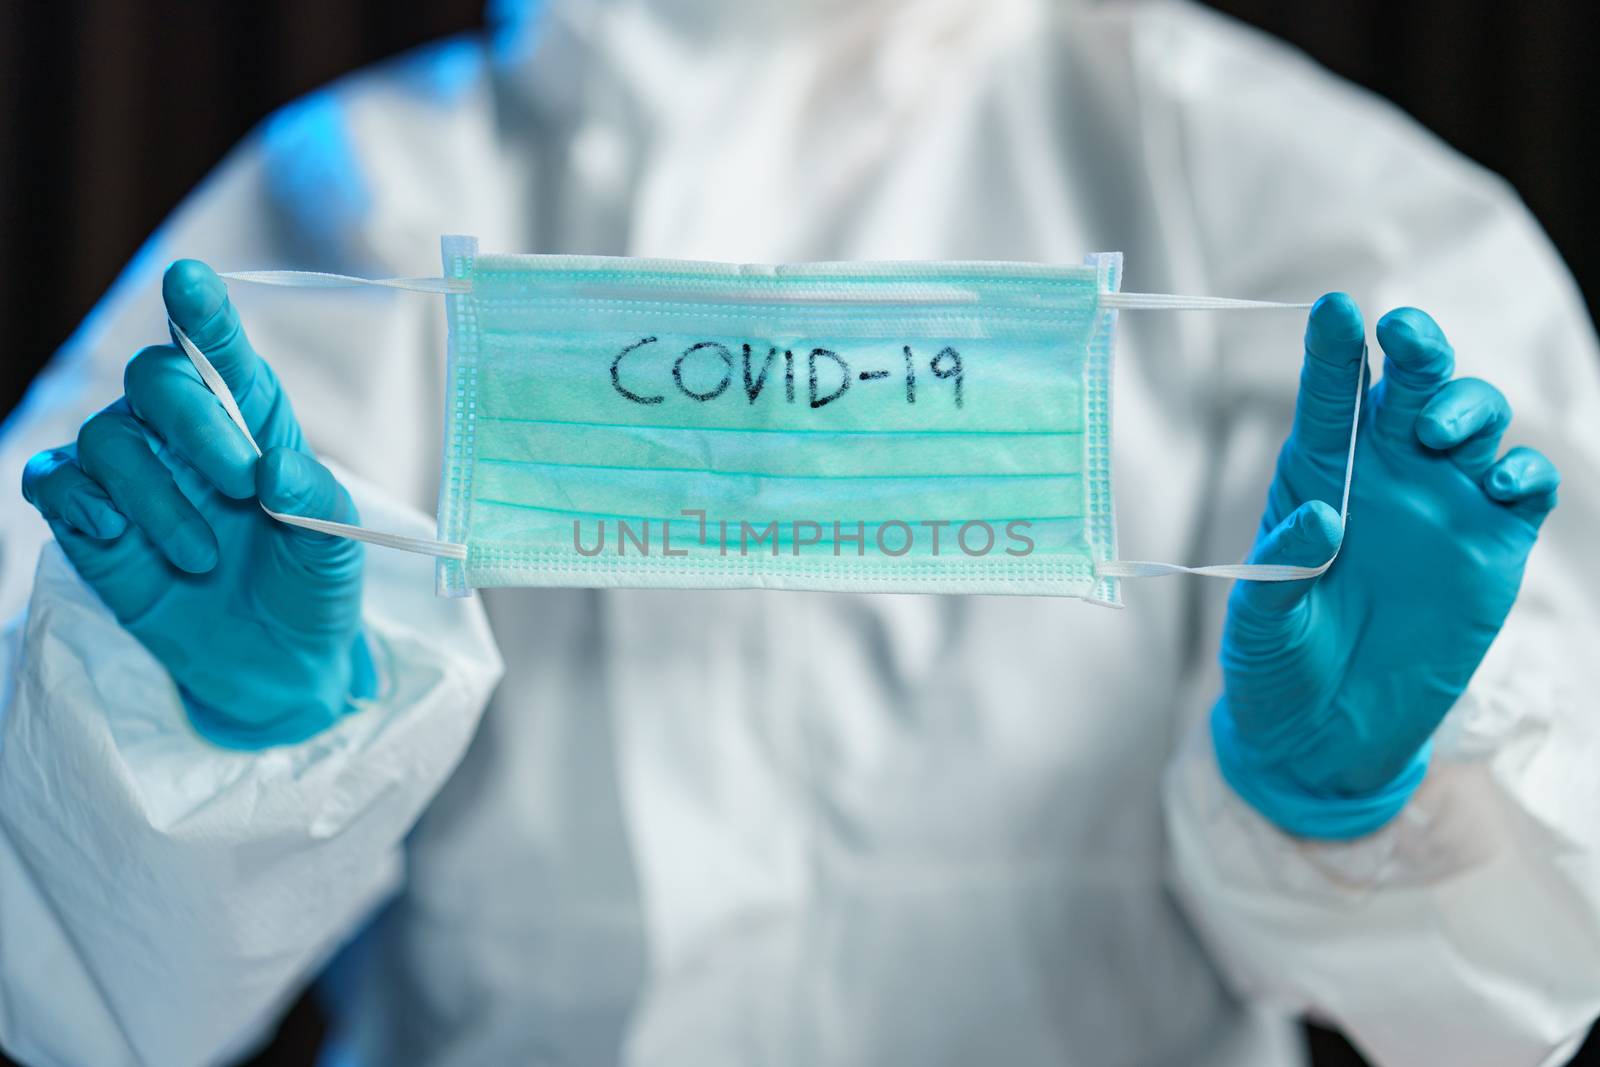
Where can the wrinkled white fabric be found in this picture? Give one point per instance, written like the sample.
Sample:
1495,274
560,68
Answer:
746,827
159,897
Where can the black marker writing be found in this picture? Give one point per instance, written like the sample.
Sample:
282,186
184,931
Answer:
727,371
844,378
947,364
616,374
753,386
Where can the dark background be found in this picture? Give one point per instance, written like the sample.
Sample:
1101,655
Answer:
111,111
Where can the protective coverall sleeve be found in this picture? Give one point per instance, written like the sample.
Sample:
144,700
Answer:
1467,930
161,898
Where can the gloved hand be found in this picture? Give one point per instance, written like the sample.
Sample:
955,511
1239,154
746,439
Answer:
1332,686
157,505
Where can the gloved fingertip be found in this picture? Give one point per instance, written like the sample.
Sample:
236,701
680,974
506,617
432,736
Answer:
296,484
1518,477
284,478
1335,330
1306,538
1502,484
1409,326
232,464
192,292
1316,529
99,520
193,547
1438,431
239,482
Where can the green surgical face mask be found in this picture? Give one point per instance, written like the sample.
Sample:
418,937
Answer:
882,427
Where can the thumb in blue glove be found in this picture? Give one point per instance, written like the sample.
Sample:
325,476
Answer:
158,506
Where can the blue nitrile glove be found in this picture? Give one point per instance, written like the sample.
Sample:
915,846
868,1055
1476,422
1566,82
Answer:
158,506
1332,686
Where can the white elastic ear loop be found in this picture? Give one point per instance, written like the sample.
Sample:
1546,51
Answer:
316,279
1257,572
421,545
1120,301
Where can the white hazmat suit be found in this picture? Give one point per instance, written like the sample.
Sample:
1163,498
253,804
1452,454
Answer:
681,827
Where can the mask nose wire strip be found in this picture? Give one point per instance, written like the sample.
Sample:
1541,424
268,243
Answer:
1257,572
315,279
421,545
